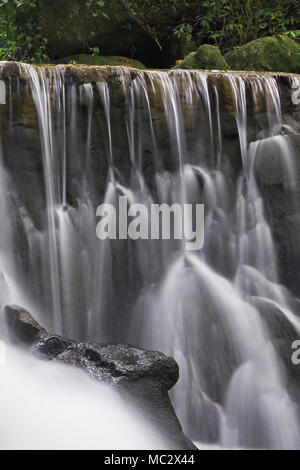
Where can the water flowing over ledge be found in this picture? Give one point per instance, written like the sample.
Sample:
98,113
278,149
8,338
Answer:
73,137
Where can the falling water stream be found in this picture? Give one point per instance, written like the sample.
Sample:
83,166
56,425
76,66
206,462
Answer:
157,137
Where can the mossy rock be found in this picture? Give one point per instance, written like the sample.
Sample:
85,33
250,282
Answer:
70,27
206,57
100,60
271,54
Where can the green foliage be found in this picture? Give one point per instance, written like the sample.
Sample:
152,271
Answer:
92,8
224,23
94,50
183,30
95,7
20,38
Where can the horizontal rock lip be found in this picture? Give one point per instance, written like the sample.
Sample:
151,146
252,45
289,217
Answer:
82,73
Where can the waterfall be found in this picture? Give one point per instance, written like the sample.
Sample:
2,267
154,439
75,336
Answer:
75,137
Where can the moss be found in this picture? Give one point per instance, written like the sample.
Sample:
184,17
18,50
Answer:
206,57
101,60
272,54
9,70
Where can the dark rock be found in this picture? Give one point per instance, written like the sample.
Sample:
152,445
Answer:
282,335
51,346
144,377
64,25
282,212
277,323
272,54
271,160
117,363
285,223
21,326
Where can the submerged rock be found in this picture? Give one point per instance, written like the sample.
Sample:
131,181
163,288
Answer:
206,57
144,377
271,160
101,60
278,325
273,54
281,207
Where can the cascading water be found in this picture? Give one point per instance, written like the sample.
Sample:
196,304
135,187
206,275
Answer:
89,135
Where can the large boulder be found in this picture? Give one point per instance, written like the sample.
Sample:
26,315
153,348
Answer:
278,324
206,57
72,27
273,54
143,377
280,201
88,59
272,164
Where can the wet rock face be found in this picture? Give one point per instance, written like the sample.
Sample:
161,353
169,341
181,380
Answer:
64,25
22,153
279,327
281,207
22,327
143,377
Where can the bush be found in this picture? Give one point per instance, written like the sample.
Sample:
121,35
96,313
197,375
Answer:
223,23
20,38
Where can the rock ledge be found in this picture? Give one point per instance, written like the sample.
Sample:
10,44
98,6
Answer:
143,377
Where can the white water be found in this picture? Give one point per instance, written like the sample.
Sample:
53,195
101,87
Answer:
197,307
47,406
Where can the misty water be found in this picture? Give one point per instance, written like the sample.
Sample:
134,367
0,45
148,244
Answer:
68,145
